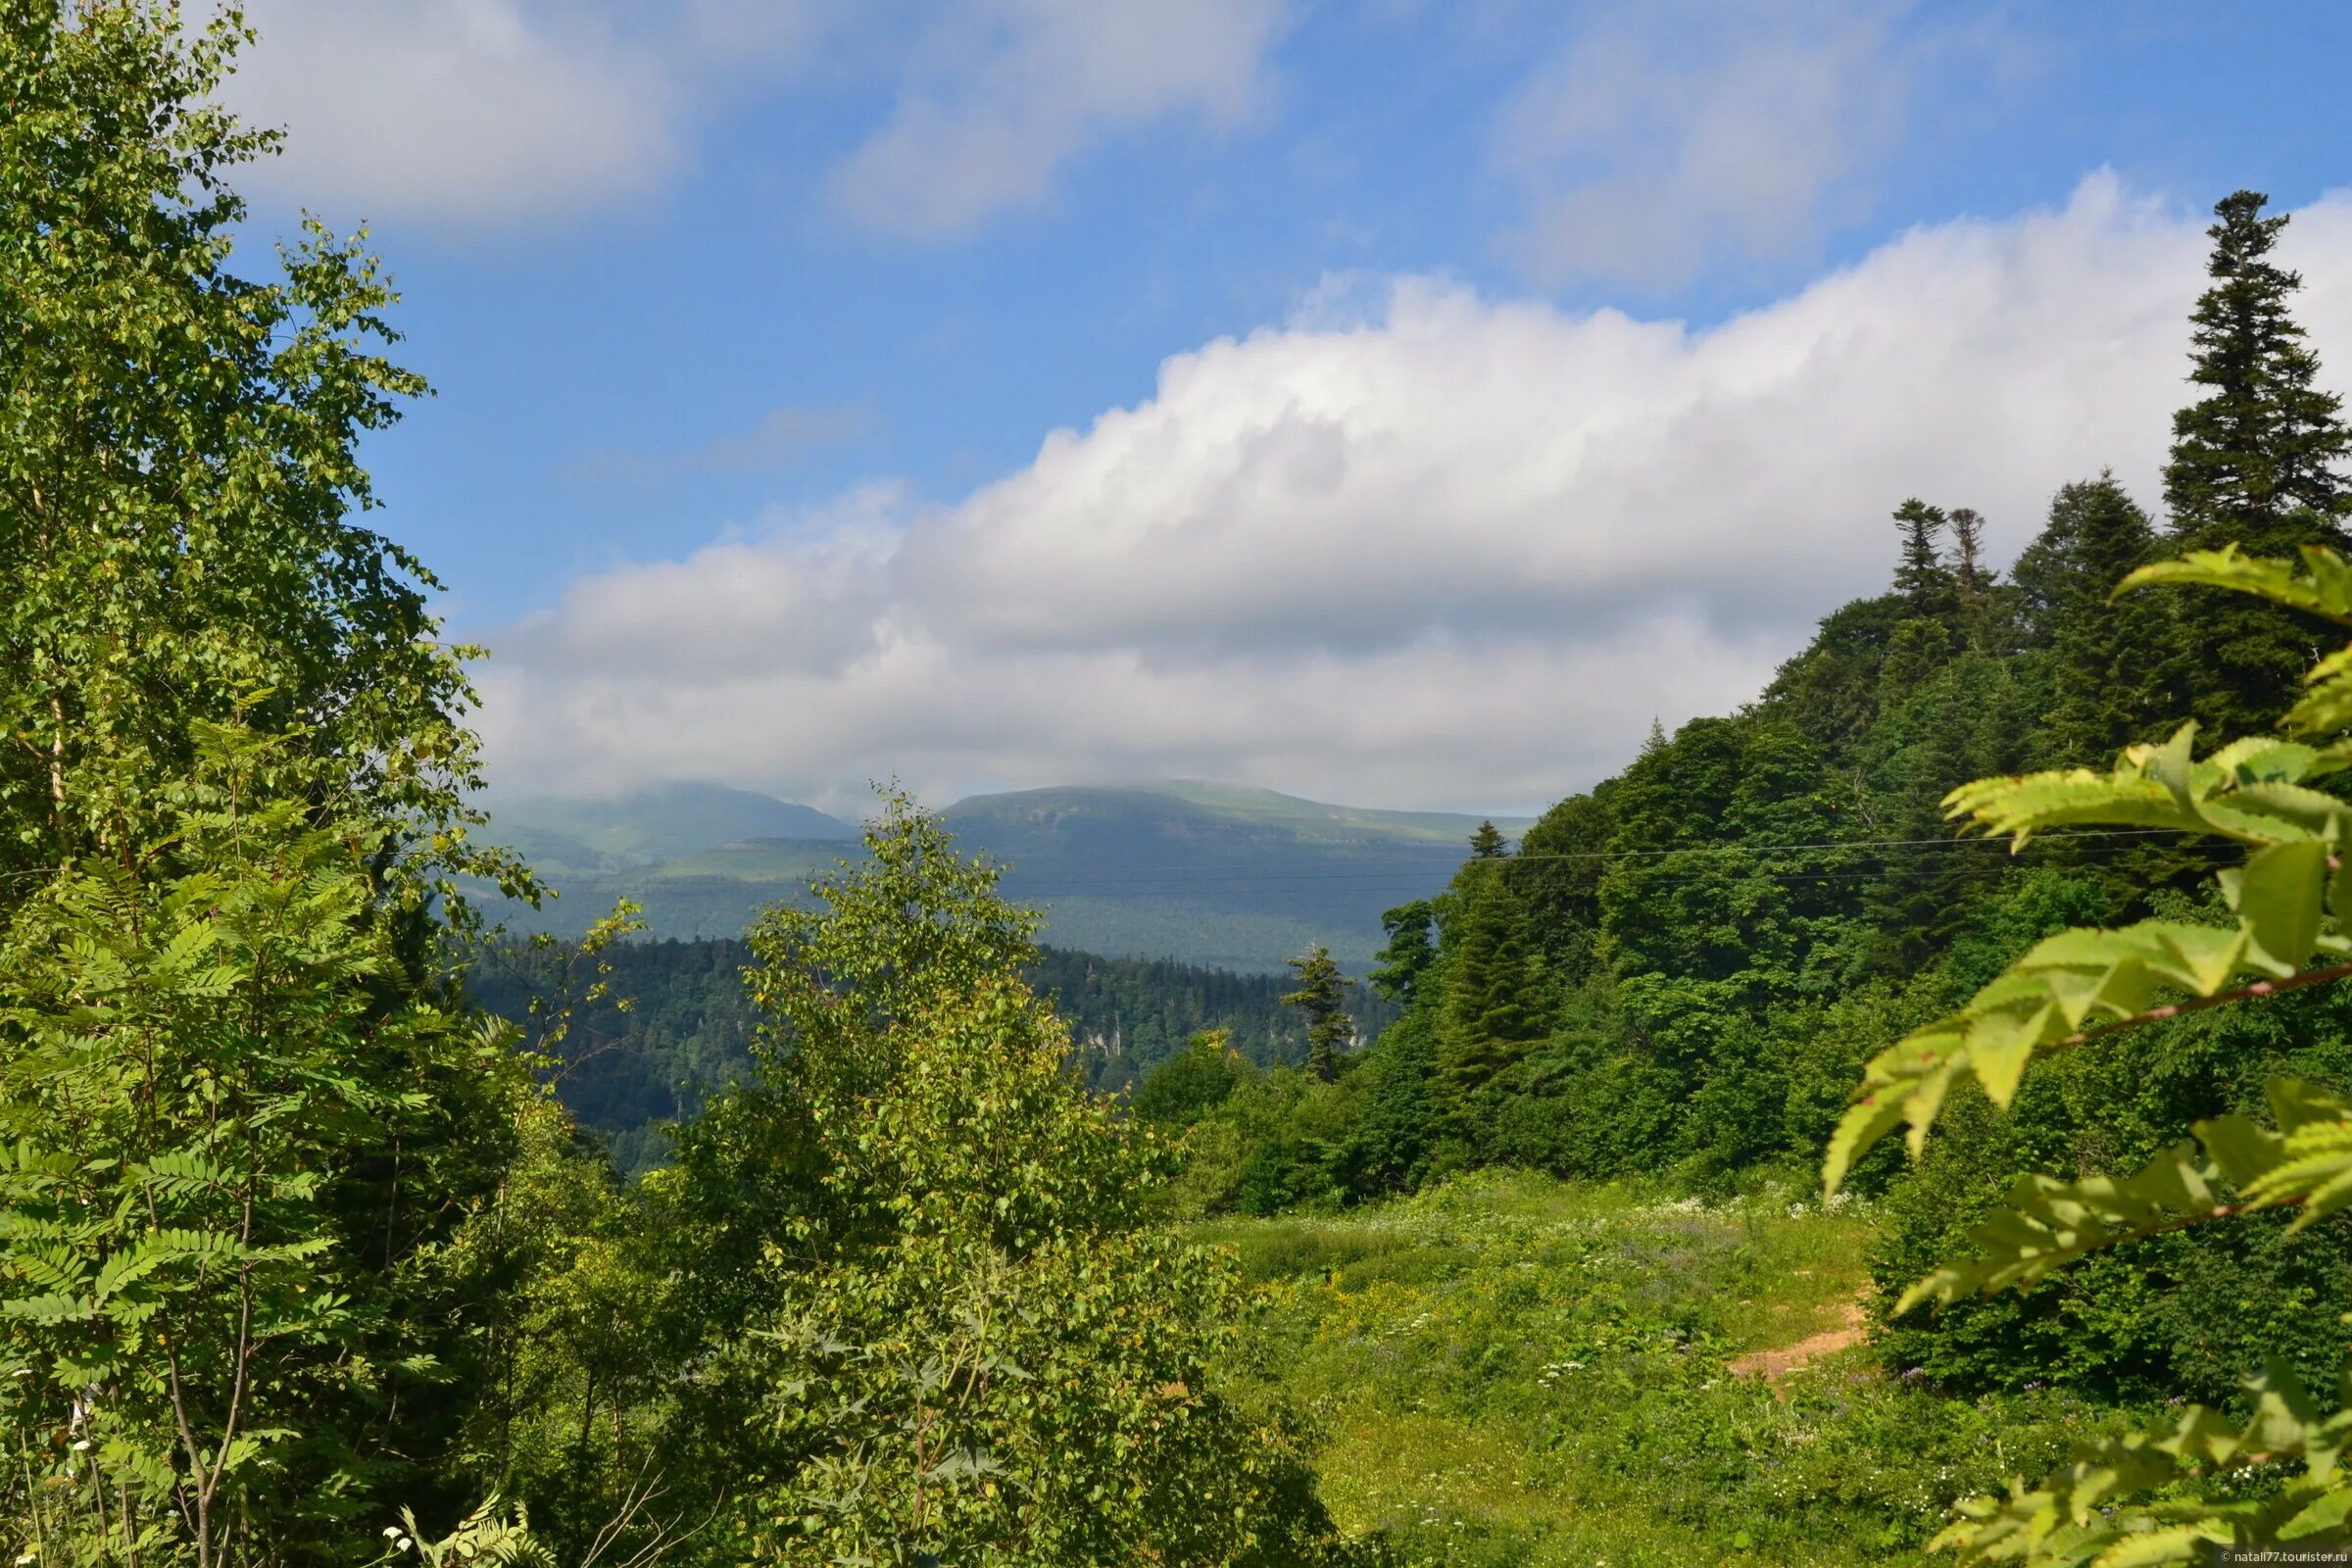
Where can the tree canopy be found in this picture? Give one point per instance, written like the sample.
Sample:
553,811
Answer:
2256,463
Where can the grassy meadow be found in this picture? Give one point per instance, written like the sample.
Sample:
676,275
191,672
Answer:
1515,1370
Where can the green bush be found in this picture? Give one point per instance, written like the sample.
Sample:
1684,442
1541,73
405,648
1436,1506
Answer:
1191,1083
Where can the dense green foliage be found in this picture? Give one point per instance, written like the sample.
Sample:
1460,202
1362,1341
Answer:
1685,967
304,1259
964,1341
244,1130
2265,1468
178,476
240,1146
300,1263
678,1025
1322,1000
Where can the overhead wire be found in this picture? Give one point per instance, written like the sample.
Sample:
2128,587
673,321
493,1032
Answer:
1050,884
1442,858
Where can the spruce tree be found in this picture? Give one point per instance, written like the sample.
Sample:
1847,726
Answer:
1921,578
2255,463
1556,876
2042,577
1398,967
2115,669
2264,443
2108,657
1491,1006
1322,995
1486,843
1968,553
1921,647
1937,737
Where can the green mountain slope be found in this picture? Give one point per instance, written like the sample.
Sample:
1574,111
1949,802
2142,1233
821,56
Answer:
651,826
1203,874
1171,808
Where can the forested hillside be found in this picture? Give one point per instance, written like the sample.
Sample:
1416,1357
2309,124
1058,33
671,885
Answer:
310,1253
1687,966
672,1025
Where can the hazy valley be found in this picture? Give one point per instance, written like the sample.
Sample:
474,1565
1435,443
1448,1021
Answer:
1202,874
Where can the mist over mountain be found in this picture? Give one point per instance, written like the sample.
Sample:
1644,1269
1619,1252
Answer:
652,825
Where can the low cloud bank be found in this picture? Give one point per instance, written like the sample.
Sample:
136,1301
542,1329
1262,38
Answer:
1413,547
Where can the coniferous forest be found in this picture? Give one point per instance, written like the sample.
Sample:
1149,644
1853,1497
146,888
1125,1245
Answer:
671,1024
336,1228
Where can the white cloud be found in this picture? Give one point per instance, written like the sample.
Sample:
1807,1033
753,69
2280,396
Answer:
1444,550
1007,91
486,112
1666,133
469,110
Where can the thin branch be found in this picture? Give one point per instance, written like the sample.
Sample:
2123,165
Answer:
2180,1010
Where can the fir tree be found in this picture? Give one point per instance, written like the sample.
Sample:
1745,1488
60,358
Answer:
1937,737
1968,553
2253,463
1398,967
1921,578
1322,995
1491,1012
1488,843
1556,876
2042,577
1920,649
2115,669
2108,657
2264,442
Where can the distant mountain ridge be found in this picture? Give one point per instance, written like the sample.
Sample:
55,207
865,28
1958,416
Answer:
1269,809
1203,874
651,826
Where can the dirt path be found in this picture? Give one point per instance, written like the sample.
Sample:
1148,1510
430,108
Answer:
1773,1366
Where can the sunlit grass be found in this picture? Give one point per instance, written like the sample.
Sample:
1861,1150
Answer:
1516,1370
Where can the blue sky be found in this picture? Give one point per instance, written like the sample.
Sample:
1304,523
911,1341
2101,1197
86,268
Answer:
771,306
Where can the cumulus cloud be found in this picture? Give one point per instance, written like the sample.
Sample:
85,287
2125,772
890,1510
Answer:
1663,134
482,112
470,111
1421,549
1006,91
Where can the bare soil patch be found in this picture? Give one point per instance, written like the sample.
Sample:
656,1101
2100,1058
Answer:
1775,1364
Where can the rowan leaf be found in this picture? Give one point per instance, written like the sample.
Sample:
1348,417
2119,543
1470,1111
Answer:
2280,896
2322,587
2047,1223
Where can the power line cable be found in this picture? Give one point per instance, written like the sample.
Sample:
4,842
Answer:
1308,871
1948,843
